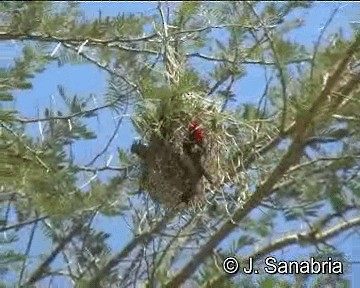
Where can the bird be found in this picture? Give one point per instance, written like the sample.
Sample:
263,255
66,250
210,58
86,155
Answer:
197,132
196,148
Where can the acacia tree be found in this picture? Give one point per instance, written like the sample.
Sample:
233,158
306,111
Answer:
273,163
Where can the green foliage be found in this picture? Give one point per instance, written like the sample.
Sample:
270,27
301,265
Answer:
118,95
272,281
186,11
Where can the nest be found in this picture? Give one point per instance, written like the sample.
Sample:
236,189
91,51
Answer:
179,172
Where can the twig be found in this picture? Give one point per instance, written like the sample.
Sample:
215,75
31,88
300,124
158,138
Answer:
8,209
309,163
318,41
27,251
218,84
104,168
227,91
143,239
68,267
42,268
251,62
112,137
65,117
298,238
22,224
164,23
104,67
306,238
135,261
91,41
277,64
202,29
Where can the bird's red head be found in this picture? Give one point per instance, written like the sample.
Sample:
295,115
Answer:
197,132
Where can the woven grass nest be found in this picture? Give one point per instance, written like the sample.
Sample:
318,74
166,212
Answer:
179,172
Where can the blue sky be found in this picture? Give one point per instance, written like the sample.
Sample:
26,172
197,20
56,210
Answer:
86,79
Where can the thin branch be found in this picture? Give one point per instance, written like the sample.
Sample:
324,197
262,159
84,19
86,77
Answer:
27,251
312,162
143,239
307,238
135,261
104,168
104,67
106,147
134,50
22,224
245,62
163,21
8,209
334,78
174,238
277,64
227,92
42,268
7,35
328,218
91,41
218,84
299,238
68,267
202,29
268,146
318,41
346,118
65,117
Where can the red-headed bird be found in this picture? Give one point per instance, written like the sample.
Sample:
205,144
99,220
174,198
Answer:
196,131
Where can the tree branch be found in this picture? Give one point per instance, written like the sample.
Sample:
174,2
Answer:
299,238
278,65
6,35
143,239
42,268
104,168
106,147
251,62
104,67
306,238
65,117
22,224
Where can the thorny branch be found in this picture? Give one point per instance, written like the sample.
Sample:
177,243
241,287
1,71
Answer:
28,247
104,67
253,62
106,147
66,117
7,35
318,41
307,237
143,239
42,268
104,168
278,65
303,238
